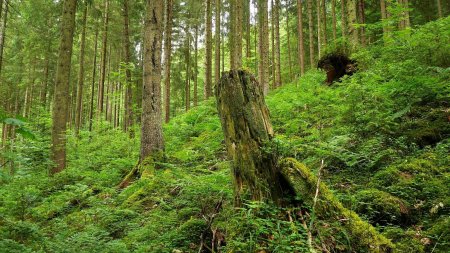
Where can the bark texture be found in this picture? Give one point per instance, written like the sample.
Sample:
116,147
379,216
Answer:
152,143
79,114
352,20
217,42
61,103
167,59
301,47
128,113
246,125
311,33
208,64
101,85
263,46
277,63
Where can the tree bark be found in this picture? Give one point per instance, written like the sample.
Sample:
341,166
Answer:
246,126
288,38
352,20
439,7
208,64
311,33
344,19
94,72
272,39
152,142
324,23
362,20
187,87
61,101
236,17
3,33
333,14
79,105
101,85
128,113
277,8
301,46
196,66
319,28
217,42
167,59
263,64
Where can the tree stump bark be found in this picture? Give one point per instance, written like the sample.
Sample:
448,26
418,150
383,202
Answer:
246,126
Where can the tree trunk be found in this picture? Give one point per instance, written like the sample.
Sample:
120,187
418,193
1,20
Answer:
247,11
277,8
46,75
439,7
152,143
128,119
79,105
208,64
187,86
61,102
362,20
3,33
311,33
344,19
101,85
301,47
217,42
272,52
333,14
319,28
236,34
352,20
263,64
288,37
196,65
94,71
246,125
324,23
167,59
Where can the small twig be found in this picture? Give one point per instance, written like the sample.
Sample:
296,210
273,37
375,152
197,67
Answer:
318,185
308,232
437,242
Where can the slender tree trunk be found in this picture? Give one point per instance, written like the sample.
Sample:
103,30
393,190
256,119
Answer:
362,20
439,6
301,46
101,85
319,29
217,43
167,59
3,33
344,19
277,44
128,119
248,52
324,23
236,34
108,87
187,89
46,75
196,65
81,74
272,45
263,69
352,20
94,72
208,71
60,105
333,14
288,37
152,142
311,32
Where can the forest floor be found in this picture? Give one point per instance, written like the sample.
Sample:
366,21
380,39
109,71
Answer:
383,135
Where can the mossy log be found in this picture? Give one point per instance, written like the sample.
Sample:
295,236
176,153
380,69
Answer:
329,208
246,126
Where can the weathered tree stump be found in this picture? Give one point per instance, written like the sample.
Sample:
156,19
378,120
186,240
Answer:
246,126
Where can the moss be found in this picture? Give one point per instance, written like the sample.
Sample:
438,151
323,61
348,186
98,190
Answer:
405,241
381,207
328,207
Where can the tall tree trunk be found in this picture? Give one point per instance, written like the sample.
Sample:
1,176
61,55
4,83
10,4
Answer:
277,44
81,73
344,19
352,20
236,34
439,7
3,33
61,102
311,32
208,64
263,64
217,42
324,23
187,87
248,42
101,85
288,37
108,87
319,28
152,142
196,65
128,119
362,20
333,14
46,75
94,72
167,59
301,46
272,45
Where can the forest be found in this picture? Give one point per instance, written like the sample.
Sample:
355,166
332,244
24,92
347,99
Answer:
208,126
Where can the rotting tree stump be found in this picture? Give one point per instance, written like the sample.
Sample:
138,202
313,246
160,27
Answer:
246,125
